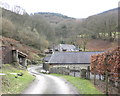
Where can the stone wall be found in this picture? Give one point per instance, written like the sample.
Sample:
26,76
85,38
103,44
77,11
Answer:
6,55
10,56
71,69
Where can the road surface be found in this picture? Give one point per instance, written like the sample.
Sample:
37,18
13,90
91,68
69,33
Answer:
48,84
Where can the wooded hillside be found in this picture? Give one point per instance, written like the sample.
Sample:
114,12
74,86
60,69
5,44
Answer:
30,30
41,30
102,26
33,54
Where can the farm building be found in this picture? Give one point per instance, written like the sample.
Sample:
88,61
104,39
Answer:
45,60
10,55
65,47
68,61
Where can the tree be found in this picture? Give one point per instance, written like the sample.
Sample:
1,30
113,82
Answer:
8,28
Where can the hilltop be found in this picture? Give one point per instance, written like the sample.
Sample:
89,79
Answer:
55,18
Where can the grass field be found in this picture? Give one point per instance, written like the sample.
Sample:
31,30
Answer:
83,86
12,85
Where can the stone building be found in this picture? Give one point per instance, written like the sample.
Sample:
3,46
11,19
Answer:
11,55
65,47
69,62
45,61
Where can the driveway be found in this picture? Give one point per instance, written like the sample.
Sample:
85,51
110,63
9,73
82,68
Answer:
48,84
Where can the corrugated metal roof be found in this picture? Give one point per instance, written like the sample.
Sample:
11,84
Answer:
71,57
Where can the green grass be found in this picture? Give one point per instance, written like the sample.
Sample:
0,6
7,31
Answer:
12,85
84,86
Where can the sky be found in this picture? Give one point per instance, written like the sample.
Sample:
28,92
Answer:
71,8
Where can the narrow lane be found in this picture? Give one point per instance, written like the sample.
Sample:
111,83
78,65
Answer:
48,84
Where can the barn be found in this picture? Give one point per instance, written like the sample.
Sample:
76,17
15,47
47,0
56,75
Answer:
45,60
67,62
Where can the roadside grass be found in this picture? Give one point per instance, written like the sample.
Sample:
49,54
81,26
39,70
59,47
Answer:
84,86
12,85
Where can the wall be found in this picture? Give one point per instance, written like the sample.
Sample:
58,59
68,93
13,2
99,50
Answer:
68,69
6,55
71,66
9,56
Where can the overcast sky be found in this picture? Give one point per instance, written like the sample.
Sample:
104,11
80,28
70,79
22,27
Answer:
71,8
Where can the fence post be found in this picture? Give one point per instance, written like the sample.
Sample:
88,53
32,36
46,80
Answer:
74,70
88,72
99,77
106,81
95,73
68,70
106,75
118,81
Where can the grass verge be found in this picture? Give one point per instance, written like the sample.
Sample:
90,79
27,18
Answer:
84,86
12,85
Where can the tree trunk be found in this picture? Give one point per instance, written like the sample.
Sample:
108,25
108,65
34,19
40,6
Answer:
110,36
115,36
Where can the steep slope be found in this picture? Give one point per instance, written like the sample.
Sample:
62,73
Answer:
23,27
30,51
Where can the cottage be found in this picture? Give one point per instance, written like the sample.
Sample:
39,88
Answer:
65,47
10,55
69,62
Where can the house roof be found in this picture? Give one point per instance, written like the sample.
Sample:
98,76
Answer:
66,47
71,57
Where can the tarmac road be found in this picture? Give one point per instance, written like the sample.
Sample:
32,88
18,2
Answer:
48,84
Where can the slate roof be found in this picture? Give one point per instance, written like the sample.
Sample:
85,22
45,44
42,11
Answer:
71,57
47,58
66,47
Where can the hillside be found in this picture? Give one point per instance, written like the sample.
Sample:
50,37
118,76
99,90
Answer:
100,45
43,29
33,54
30,30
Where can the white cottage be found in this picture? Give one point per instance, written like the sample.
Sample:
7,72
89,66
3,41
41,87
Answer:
65,47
